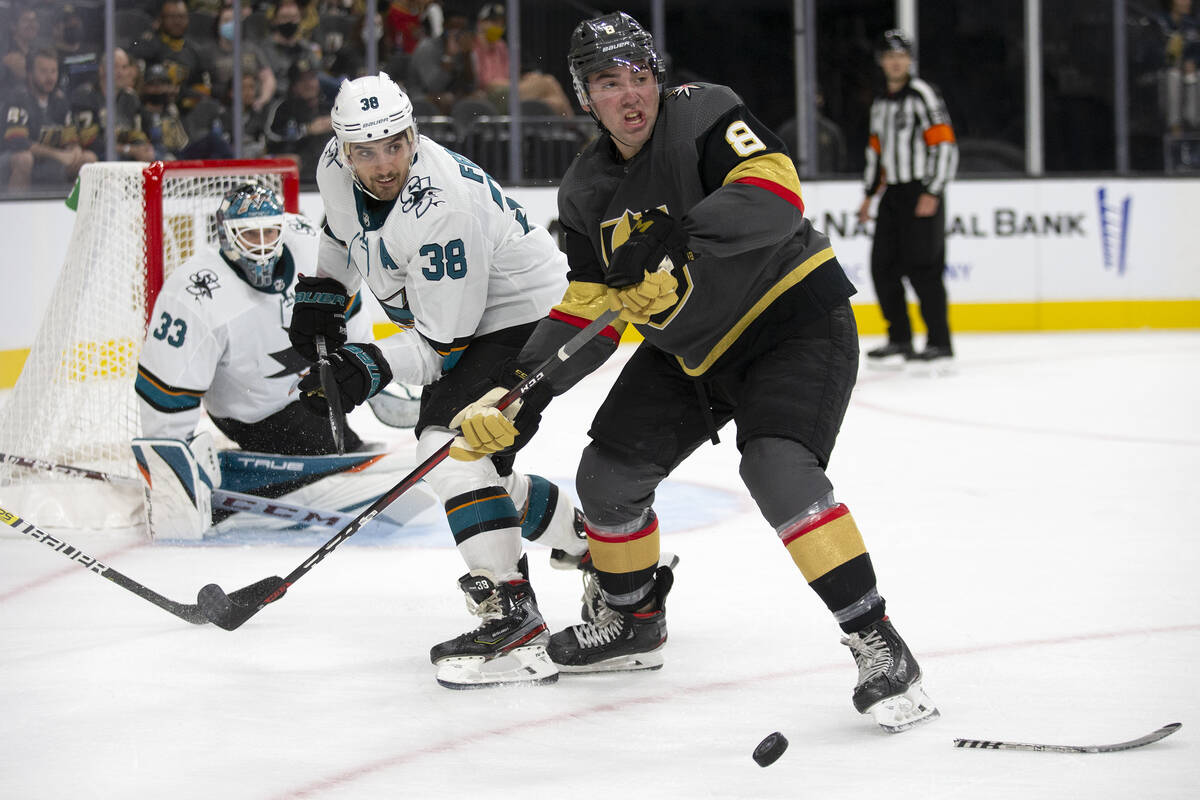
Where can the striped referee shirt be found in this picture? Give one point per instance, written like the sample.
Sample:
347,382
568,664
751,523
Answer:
911,139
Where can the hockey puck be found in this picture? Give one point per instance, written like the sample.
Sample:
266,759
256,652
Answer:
213,602
770,749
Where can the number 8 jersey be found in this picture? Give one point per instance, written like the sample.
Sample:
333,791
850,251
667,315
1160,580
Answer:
451,258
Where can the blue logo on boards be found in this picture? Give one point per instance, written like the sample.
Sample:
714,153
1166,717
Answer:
1114,229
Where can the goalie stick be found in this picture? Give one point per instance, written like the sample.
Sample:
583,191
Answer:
1141,741
230,611
222,498
333,399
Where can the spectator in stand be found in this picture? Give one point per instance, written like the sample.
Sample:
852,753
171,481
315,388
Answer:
163,124
287,44
491,60
404,24
299,124
1180,86
88,106
441,70
214,116
23,38
254,61
168,46
41,142
79,54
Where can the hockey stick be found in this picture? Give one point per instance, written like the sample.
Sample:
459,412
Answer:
231,611
333,400
187,612
222,498
1141,741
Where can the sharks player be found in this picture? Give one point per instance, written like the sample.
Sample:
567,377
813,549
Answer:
218,336
753,325
457,265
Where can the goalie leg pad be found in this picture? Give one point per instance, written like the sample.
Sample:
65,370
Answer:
179,477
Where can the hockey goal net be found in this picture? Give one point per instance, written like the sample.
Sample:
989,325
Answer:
74,402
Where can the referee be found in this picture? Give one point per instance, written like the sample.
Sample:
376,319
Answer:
911,157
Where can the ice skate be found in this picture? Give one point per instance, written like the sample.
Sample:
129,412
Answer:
890,356
889,679
508,648
615,641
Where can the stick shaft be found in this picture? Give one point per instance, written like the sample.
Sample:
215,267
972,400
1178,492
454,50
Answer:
333,399
190,613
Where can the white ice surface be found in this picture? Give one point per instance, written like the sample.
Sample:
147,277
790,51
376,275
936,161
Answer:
1032,520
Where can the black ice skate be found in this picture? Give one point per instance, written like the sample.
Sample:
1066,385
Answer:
616,641
508,648
889,679
890,356
933,352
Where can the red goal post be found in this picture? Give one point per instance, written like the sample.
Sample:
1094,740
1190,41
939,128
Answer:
74,402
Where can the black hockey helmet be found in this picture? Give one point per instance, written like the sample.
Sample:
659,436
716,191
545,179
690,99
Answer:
895,40
599,43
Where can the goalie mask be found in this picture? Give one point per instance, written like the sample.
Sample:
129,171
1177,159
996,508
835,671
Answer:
604,41
371,109
250,232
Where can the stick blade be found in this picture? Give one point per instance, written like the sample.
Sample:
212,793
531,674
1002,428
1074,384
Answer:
229,611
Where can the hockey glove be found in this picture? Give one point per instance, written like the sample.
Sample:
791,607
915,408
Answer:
639,302
655,236
320,309
360,372
486,430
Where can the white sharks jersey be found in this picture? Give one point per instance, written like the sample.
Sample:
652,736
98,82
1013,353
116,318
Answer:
213,336
450,259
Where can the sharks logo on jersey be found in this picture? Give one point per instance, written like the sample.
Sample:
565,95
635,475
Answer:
332,154
420,195
203,283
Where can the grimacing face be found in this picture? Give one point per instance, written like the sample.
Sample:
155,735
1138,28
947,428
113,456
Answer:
382,167
624,97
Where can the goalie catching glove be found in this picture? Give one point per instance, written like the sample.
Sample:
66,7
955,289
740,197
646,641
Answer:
639,277
486,430
320,310
359,370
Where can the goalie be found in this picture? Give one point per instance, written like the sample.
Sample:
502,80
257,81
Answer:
218,333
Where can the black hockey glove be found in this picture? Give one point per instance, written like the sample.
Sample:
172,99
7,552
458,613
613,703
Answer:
655,236
320,309
359,370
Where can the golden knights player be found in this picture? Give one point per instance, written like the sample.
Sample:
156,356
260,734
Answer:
753,326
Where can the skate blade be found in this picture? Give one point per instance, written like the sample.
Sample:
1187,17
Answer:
889,364
939,368
903,711
632,663
522,666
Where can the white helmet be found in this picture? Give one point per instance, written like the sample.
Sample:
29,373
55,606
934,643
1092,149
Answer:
371,108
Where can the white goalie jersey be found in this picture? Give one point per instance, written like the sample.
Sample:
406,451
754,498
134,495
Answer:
451,259
214,337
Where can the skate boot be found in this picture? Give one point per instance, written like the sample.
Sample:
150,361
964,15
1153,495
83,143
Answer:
561,559
615,641
508,648
889,679
890,356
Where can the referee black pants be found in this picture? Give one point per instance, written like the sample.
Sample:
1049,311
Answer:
907,246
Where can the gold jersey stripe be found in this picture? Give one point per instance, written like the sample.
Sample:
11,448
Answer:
773,167
789,280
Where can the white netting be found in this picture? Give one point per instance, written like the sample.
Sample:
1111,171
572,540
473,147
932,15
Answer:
74,401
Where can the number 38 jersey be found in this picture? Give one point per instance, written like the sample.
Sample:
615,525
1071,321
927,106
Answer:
213,336
450,259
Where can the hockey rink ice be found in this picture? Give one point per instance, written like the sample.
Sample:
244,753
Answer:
1033,523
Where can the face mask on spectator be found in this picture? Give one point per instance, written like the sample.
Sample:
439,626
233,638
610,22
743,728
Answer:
493,33
73,34
227,31
287,29
156,98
